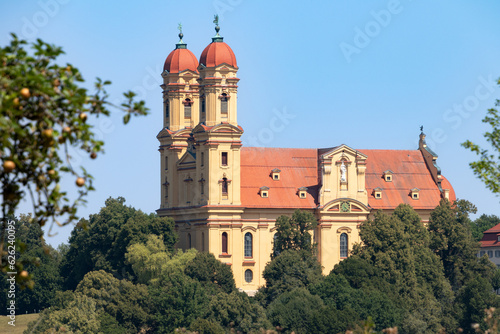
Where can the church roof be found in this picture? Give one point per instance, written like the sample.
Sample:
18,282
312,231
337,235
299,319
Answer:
179,60
299,168
217,53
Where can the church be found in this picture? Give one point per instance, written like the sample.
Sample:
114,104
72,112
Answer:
225,198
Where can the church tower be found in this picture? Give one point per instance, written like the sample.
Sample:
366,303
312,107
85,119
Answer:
218,136
180,115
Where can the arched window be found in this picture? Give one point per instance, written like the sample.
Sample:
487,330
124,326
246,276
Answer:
248,245
187,108
248,276
202,241
189,240
203,104
224,242
343,245
223,104
167,108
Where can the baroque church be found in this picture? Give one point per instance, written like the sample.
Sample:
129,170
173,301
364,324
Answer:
225,198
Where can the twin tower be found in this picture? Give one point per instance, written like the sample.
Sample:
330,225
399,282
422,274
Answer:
201,140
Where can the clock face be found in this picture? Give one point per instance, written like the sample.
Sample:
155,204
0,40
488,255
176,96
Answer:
344,207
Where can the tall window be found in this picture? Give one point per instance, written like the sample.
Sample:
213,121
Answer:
189,240
167,108
248,276
202,159
166,187
343,245
224,242
166,162
202,241
187,108
248,245
203,105
223,105
223,159
224,187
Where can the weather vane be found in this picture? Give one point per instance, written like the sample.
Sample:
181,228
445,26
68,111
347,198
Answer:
421,128
180,27
216,19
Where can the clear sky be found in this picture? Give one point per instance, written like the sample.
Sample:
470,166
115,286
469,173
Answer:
366,74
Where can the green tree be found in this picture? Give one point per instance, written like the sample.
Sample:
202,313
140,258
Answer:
153,260
487,168
44,111
293,233
481,224
101,244
289,270
211,273
237,311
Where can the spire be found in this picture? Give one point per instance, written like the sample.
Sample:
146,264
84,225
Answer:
217,37
421,142
181,44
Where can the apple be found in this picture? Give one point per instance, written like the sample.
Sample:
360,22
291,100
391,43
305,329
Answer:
16,102
80,181
93,155
8,166
23,274
83,116
47,133
25,92
67,129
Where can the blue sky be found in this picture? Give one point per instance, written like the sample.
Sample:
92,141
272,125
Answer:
362,73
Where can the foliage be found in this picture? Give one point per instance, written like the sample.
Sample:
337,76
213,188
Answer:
289,270
153,260
178,300
101,242
79,316
293,233
213,274
204,326
128,303
481,224
487,168
44,109
236,310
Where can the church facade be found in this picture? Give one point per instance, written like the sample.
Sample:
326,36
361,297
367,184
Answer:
225,198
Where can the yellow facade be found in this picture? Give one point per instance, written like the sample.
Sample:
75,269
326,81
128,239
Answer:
219,208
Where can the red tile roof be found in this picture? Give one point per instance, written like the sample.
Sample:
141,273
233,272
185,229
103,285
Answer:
490,237
217,53
299,168
180,60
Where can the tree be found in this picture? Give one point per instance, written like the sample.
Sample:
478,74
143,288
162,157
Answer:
481,224
487,168
211,273
101,242
289,270
44,111
293,233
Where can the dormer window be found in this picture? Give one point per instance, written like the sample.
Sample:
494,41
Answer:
275,174
388,175
264,192
415,193
223,104
302,192
377,193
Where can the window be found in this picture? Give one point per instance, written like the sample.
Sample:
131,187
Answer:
497,253
223,104
166,162
202,159
167,109
264,192
187,108
202,188
248,276
203,104
248,245
415,193
343,245
224,243
302,192
166,184
481,253
490,254
498,238
276,174
224,187
189,240
223,160
388,175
